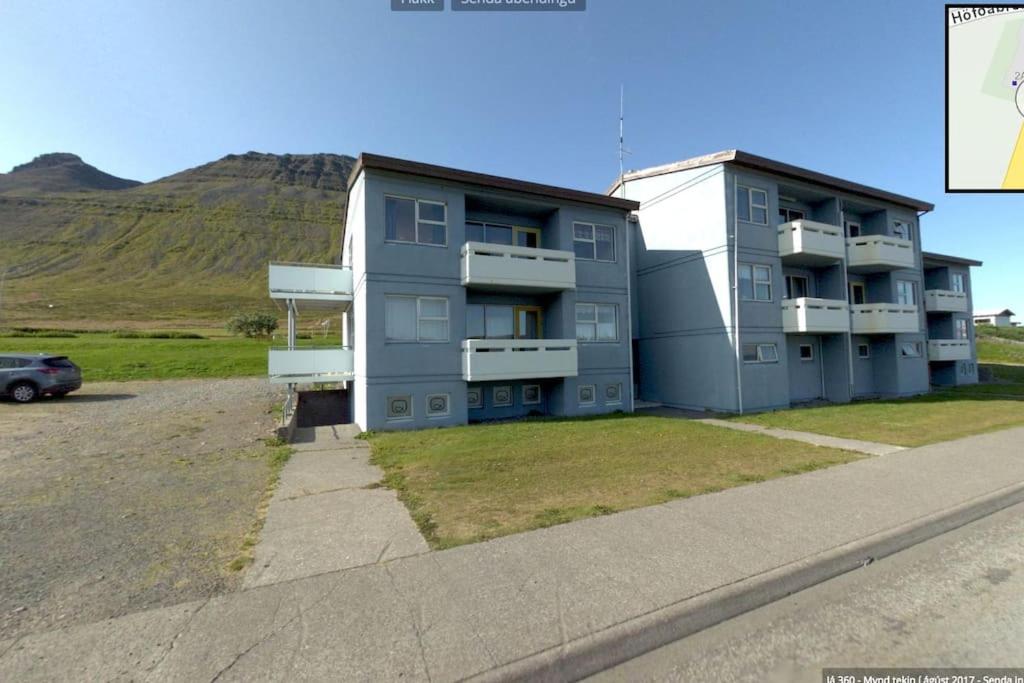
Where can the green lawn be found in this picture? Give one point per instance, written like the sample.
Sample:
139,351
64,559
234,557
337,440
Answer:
466,484
999,350
105,357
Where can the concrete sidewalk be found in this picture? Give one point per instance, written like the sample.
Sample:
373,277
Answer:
553,604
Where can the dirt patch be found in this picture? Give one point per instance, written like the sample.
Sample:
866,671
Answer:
126,496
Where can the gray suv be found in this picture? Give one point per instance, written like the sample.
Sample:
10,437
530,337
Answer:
27,376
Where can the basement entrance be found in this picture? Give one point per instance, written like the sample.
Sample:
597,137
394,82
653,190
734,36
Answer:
319,408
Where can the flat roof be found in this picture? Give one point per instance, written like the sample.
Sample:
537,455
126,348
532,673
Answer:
416,168
758,163
945,258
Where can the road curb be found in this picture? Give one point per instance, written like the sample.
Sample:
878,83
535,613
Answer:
624,641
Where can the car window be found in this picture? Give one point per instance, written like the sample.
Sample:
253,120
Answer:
58,363
6,363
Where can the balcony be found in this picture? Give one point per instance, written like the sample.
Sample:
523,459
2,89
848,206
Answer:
331,285
808,243
503,267
501,359
310,365
949,349
884,319
945,301
815,316
879,253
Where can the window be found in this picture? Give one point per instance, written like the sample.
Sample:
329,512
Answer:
488,232
806,352
399,407
597,322
863,351
852,229
858,293
961,329
910,349
902,230
411,318
613,394
437,405
415,220
760,353
905,293
475,397
593,242
502,396
959,282
755,282
751,205
788,215
531,394
586,394
489,322
797,286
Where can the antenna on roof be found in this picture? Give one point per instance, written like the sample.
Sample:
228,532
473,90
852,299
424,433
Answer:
622,148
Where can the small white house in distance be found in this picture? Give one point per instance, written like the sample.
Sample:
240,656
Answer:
997,318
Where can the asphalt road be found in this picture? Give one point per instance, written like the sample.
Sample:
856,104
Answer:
954,601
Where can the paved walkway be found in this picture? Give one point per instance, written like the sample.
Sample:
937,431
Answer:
323,517
555,603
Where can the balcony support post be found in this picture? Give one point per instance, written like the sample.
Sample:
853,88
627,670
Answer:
291,323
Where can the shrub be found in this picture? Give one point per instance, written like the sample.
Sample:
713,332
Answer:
252,324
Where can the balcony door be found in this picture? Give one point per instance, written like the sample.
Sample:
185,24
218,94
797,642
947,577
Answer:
857,293
797,287
529,324
527,237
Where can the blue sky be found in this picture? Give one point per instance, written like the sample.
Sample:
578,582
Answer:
855,89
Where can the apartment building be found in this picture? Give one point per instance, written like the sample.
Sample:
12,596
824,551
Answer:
758,285
467,297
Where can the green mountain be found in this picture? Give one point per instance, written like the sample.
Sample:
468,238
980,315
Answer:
80,249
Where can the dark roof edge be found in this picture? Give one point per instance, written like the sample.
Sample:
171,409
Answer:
759,163
376,161
932,256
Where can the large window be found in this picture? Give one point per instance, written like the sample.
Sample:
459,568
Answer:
417,221
902,230
961,329
751,205
906,293
790,215
760,353
490,322
412,318
593,242
755,282
911,349
597,322
959,283
491,233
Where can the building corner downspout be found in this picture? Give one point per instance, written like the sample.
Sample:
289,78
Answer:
736,300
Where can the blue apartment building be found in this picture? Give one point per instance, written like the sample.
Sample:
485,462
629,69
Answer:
467,297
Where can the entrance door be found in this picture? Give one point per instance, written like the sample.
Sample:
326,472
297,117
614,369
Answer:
528,322
527,237
857,293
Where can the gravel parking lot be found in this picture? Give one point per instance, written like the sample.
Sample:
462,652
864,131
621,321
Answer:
127,495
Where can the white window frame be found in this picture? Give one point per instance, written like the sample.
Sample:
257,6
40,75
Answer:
420,318
540,397
751,204
417,220
962,328
810,357
593,393
447,405
494,396
593,240
905,227
479,391
754,282
958,281
850,226
913,292
594,307
915,350
761,353
867,351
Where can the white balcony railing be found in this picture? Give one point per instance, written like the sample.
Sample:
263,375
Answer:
512,267
879,253
949,349
310,365
815,316
310,282
811,242
945,301
499,359
884,319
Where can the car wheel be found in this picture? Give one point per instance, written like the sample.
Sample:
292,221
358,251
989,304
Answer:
23,392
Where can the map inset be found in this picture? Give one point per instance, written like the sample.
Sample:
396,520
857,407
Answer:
984,98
